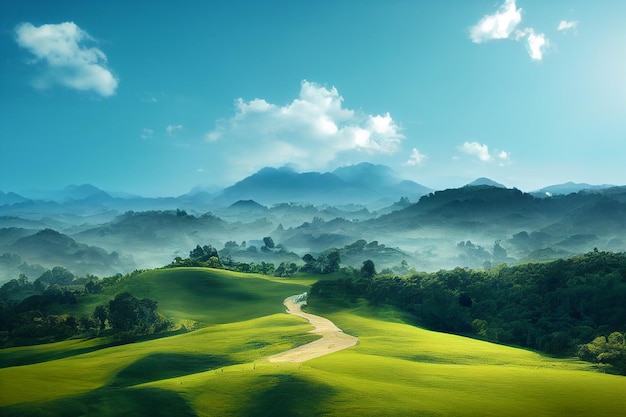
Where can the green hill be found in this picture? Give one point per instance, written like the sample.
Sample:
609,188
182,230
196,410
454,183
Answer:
395,370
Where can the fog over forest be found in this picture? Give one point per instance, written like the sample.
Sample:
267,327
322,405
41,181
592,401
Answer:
364,211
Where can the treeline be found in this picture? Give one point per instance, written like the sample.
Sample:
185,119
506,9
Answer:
568,306
207,256
45,310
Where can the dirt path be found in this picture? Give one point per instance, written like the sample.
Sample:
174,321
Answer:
333,338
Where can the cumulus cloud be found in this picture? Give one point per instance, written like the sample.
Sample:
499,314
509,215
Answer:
309,133
566,26
499,25
67,60
503,25
416,158
171,130
481,151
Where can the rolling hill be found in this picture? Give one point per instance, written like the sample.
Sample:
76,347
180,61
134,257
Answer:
51,248
395,370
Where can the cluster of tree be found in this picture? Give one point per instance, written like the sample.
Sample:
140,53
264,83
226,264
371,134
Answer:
207,256
354,253
27,312
609,350
326,263
128,316
257,251
41,311
553,307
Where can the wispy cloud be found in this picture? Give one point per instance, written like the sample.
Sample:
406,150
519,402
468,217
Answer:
503,25
566,26
172,130
146,133
416,158
499,25
308,133
481,151
68,61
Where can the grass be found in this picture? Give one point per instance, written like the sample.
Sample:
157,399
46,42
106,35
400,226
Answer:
203,295
395,370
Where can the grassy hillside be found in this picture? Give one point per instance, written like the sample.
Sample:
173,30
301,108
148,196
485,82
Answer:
396,369
203,295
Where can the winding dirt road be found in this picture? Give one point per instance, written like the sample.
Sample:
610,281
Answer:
333,338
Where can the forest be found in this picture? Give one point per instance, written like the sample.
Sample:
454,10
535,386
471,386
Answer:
571,306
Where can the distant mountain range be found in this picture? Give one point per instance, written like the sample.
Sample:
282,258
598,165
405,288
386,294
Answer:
568,188
367,184
466,226
373,186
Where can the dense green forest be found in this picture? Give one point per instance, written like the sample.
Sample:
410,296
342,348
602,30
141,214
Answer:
565,307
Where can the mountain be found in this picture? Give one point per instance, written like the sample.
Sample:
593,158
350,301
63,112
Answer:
357,184
366,174
486,181
51,248
11,198
568,188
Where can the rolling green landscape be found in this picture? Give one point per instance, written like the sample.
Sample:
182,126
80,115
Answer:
220,368
328,208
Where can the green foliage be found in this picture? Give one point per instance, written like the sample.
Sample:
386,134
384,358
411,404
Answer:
606,350
326,263
368,270
56,276
552,306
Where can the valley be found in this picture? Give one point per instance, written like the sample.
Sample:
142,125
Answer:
223,368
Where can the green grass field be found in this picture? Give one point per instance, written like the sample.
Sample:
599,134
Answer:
219,370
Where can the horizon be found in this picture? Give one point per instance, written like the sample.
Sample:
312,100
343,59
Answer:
525,93
29,193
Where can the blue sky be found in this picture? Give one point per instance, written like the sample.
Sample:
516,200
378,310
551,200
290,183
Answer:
157,97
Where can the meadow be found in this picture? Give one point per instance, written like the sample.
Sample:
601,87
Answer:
220,369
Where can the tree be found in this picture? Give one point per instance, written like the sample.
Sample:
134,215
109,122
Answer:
368,270
329,261
100,313
58,275
196,253
122,314
310,264
269,242
128,314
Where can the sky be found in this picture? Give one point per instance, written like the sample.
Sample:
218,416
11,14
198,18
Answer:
158,97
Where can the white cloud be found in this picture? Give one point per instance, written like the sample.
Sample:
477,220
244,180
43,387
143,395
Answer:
68,61
171,130
503,24
499,25
565,25
311,132
416,158
481,151
147,133
536,45
476,149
